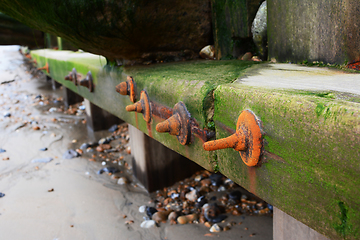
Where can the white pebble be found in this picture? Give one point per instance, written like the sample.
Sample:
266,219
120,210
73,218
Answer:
215,228
148,224
142,208
122,181
103,163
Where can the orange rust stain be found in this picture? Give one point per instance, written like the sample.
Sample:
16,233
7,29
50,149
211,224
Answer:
355,66
148,126
136,120
132,90
147,110
46,67
252,178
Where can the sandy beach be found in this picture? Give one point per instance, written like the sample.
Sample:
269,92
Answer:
66,198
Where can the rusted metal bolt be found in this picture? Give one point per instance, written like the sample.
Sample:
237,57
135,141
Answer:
178,124
247,139
127,88
142,106
87,82
73,76
46,67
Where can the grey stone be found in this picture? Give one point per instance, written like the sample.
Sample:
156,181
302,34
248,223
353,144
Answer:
259,30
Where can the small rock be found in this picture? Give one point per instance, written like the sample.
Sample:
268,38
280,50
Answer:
7,115
2,194
215,228
42,160
160,216
150,211
104,141
51,190
216,179
6,158
142,208
172,216
207,224
148,224
208,52
113,128
36,128
259,30
103,163
71,153
53,109
2,150
187,218
247,56
84,146
111,170
122,181
99,149
43,149
192,196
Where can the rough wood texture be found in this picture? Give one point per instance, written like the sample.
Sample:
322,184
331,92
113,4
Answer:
155,165
119,29
321,30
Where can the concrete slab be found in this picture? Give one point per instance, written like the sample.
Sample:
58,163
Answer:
293,76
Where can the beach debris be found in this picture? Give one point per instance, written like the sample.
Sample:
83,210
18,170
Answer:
150,211
42,160
111,170
215,228
122,181
148,224
113,128
2,194
71,153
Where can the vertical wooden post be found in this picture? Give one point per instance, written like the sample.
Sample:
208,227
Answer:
98,119
71,97
155,165
286,227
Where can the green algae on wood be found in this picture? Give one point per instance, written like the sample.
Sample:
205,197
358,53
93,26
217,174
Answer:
310,163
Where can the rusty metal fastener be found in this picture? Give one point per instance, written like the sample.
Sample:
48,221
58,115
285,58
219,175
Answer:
178,124
87,82
142,106
247,139
46,67
73,76
127,88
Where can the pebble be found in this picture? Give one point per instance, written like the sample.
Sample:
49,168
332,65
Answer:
215,228
7,115
122,181
2,150
247,56
142,208
113,128
150,211
104,141
148,224
2,194
71,153
192,196
161,216
172,216
207,52
187,218
42,160
103,163
111,170
43,149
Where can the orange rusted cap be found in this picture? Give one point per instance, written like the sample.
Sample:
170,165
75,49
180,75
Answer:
46,67
247,139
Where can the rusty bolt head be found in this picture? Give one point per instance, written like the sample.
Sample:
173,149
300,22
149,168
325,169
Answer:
46,67
247,139
88,82
127,88
143,106
178,124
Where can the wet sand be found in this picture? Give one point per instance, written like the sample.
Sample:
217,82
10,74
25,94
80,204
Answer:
66,198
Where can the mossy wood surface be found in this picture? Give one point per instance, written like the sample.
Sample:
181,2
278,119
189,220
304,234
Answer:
312,139
190,82
310,167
